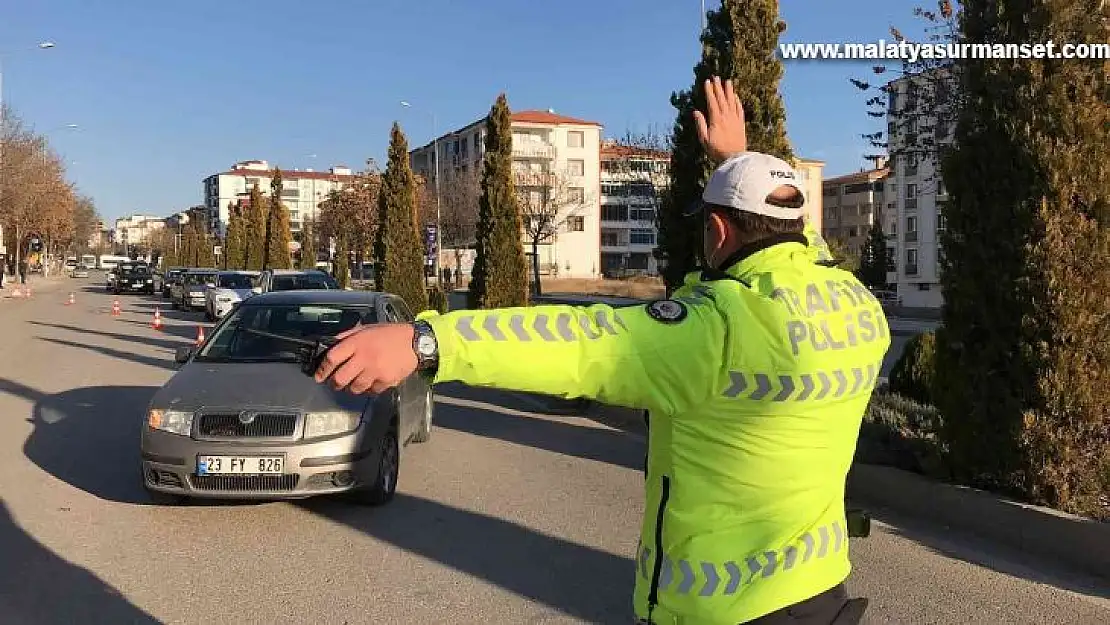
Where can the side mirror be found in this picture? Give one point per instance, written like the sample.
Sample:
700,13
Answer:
183,354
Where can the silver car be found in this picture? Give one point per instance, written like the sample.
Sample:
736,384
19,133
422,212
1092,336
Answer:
194,289
242,420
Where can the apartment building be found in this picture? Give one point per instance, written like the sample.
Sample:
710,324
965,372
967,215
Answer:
812,173
136,229
918,191
854,202
633,183
552,155
302,190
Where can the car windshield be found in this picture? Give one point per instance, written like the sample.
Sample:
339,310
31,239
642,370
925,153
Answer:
255,333
303,281
138,271
235,281
195,279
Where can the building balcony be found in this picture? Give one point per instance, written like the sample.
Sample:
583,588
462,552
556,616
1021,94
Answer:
534,150
533,179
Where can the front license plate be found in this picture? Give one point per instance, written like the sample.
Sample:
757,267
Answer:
240,465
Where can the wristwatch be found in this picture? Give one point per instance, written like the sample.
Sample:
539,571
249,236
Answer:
425,346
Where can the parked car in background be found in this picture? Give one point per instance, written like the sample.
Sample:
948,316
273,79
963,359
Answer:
194,284
79,271
241,420
169,277
231,288
294,280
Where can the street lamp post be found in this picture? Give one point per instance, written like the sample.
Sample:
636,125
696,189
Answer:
435,181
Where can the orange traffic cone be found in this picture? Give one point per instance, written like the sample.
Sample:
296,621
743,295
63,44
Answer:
72,300
157,319
17,293
115,308
29,293
200,335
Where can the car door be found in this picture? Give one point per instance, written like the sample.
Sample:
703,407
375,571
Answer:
410,396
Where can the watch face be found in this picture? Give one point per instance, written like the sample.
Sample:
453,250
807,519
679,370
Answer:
426,345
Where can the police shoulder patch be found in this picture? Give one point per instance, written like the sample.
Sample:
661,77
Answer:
667,310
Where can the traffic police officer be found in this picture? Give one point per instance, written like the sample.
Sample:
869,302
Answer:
756,373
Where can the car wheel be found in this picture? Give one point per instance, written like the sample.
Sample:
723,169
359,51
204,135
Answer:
424,430
384,487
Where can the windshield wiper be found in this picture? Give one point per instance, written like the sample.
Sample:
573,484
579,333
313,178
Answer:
311,352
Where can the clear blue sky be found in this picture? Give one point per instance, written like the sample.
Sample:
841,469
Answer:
169,92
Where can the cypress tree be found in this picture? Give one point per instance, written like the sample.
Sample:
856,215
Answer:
308,243
1023,362
873,258
254,230
233,240
280,232
398,247
500,275
740,44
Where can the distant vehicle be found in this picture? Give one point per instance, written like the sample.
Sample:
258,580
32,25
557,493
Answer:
231,288
108,262
190,295
88,260
171,276
294,280
79,271
241,419
133,277
71,262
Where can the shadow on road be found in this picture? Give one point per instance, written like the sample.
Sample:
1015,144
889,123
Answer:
165,363
499,415
88,437
169,344
39,588
180,330
980,552
562,575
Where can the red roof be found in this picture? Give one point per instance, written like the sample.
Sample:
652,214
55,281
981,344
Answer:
546,117
612,150
288,174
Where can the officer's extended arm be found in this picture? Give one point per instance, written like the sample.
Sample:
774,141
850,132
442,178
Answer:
624,356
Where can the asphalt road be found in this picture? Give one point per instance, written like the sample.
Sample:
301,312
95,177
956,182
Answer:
506,516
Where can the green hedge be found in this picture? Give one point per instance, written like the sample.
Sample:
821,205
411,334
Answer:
913,374
900,432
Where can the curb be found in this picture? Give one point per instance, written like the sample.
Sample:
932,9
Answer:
1042,532
1080,543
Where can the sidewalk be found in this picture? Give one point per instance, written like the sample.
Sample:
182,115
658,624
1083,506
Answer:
36,282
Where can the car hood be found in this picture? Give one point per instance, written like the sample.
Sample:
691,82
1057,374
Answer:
276,385
239,294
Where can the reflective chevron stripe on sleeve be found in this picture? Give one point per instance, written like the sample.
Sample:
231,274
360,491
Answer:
562,327
728,577
833,384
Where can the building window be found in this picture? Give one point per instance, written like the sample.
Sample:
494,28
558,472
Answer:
610,238
290,193
891,254
940,186
576,139
576,195
641,213
853,232
576,167
252,182
941,223
614,212
641,236
576,223
911,262
911,191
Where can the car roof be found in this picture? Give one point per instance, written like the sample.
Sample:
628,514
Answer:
314,296
294,272
238,272
195,270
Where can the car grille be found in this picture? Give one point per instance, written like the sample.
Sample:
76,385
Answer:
245,483
264,425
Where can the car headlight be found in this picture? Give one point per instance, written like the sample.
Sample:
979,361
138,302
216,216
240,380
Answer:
172,421
317,424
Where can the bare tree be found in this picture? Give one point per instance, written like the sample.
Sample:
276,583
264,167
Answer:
460,191
550,204
919,98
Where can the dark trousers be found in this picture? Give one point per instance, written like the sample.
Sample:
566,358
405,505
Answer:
832,607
